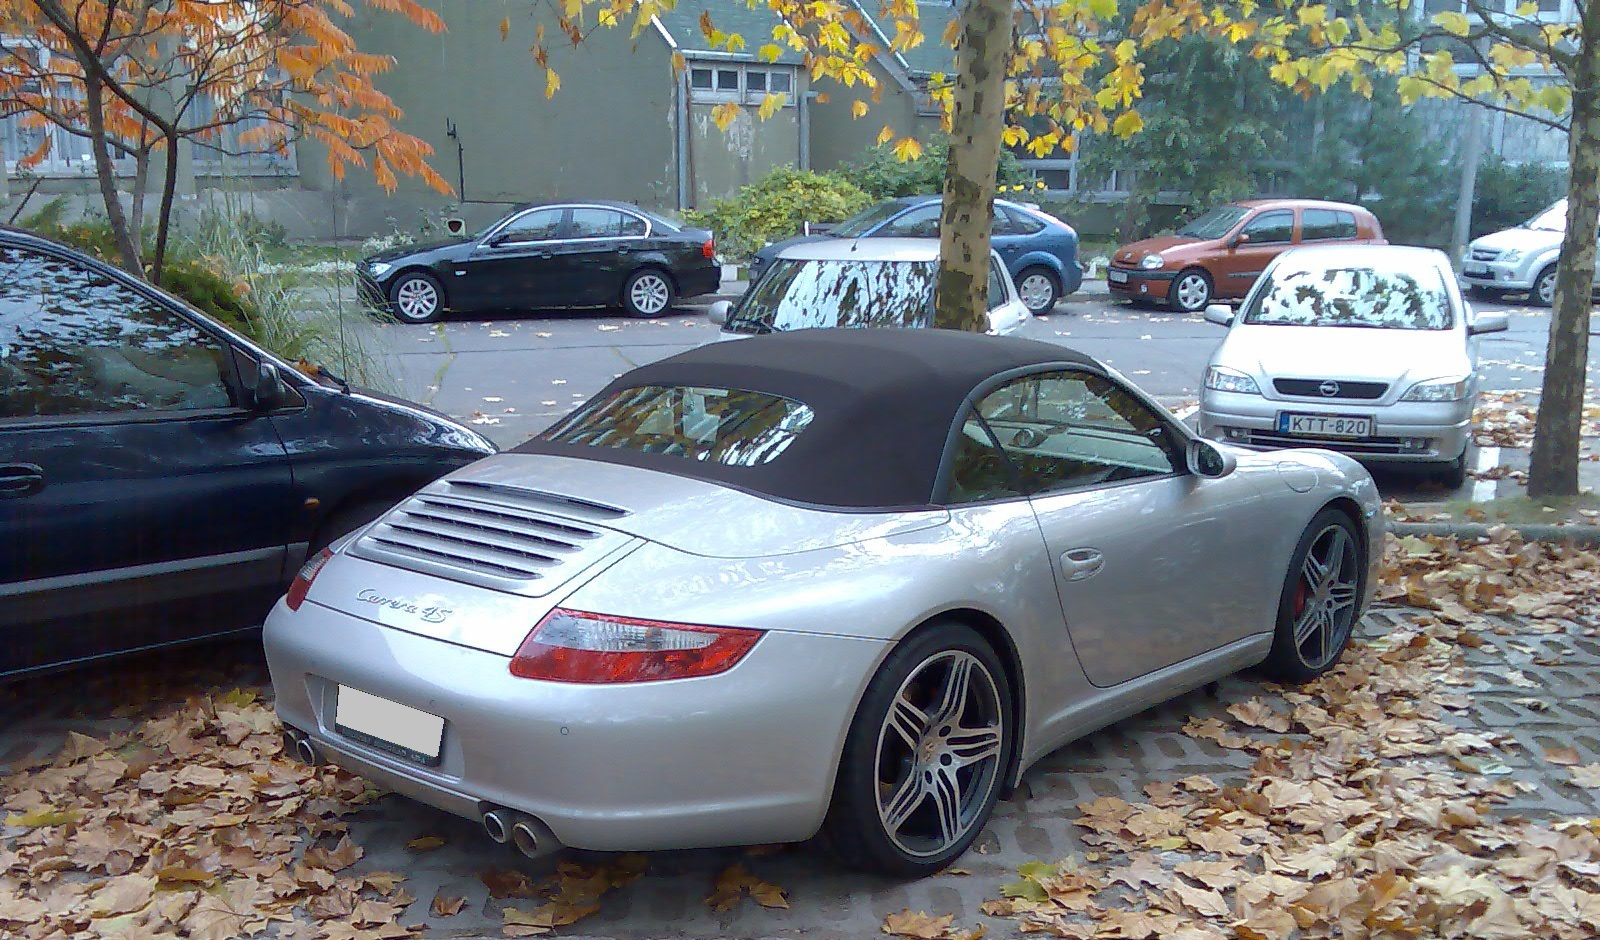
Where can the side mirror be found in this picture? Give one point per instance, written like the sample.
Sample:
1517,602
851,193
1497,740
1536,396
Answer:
270,390
1243,238
1220,314
1207,460
1491,322
718,313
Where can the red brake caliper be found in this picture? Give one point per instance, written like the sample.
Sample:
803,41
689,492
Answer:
1300,597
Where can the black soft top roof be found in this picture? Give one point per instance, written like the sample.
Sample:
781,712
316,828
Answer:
884,401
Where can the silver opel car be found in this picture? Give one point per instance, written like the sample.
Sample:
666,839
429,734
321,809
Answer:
853,580
1367,350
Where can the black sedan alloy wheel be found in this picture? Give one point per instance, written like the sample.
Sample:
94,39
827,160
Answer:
416,298
925,759
1321,594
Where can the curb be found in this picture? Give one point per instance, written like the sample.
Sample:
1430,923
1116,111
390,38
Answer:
1585,535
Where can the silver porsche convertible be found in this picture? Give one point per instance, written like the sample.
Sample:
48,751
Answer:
848,581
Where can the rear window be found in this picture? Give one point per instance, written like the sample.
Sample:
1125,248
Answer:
732,427
1374,298
1322,224
799,295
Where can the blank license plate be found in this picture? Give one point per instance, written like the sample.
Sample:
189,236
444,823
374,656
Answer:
1324,425
1117,277
389,726
1470,268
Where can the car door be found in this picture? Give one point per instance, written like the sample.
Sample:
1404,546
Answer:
1266,235
1006,312
596,253
1152,565
1012,234
140,504
515,266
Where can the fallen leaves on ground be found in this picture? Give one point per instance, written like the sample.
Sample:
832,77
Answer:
193,823
922,926
1500,574
570,894
736,882
1375,819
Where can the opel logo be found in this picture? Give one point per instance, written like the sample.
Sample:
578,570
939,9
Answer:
1329,388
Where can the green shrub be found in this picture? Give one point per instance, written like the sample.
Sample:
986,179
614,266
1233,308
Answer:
882,175
1508,194
776,207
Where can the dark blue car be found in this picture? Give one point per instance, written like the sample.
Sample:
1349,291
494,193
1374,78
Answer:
1039,250
162,478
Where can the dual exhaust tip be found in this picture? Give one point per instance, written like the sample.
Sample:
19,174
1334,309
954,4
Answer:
527,834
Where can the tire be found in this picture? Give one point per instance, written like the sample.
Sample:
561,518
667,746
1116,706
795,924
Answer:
1544,288
1190,290
416,297
883,772
1038,290
1453,475
1321,599
648,292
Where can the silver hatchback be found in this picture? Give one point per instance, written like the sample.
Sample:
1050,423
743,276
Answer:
1366,350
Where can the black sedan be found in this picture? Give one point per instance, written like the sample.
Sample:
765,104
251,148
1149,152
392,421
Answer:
162,478
567,254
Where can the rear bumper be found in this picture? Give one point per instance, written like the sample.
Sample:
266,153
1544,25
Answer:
697,281
744,757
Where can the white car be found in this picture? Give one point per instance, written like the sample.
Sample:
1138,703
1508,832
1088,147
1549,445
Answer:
1366,350
1518,260
850,282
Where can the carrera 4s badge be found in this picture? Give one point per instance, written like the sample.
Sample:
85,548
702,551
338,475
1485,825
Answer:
430,614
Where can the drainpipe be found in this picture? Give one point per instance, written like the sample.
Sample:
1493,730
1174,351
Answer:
681,88
805,123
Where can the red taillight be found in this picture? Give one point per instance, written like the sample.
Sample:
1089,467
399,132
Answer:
574,646
709,249
302,580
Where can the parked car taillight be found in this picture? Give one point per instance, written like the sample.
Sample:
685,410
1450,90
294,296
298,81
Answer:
575,646
709,249
302,580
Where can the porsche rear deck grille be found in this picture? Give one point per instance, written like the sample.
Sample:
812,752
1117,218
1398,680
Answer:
1330,388
492,545
539,499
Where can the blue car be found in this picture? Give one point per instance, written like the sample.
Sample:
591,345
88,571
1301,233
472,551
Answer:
1039,250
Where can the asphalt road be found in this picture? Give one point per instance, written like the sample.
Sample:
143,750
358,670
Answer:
512,375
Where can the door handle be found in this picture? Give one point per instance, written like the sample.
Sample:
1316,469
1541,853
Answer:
21,479
1081,563
544,254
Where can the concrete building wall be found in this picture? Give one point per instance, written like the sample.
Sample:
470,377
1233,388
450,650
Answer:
838,137
609,132
722,161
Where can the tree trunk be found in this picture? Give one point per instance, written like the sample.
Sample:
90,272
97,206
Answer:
1559,425
169,185
105,172
969,180
141,178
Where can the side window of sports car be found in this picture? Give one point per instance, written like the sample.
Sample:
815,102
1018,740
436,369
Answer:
981,470
1069,429
74,341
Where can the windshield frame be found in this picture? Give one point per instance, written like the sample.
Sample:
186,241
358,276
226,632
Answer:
767,319
1557,209
1240,213
1249,311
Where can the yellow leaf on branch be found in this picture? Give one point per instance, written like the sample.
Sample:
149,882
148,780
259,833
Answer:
1127,124
771,103
724,115
907,149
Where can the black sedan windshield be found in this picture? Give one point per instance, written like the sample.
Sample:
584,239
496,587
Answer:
1216,223
1372,298
798,295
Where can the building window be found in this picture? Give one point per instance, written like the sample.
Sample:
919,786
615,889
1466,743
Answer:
741,84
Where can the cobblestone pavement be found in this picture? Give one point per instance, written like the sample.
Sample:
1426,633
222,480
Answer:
1517,662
